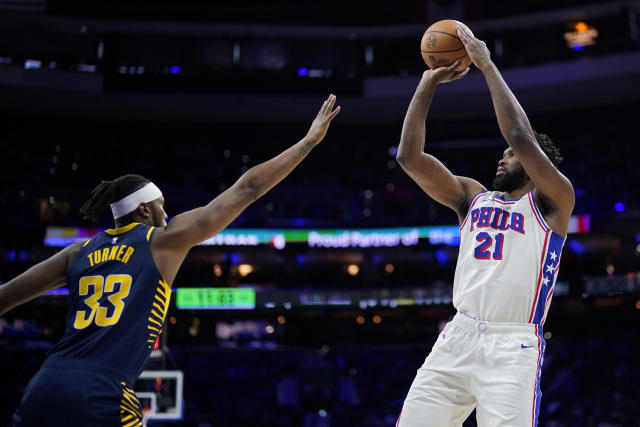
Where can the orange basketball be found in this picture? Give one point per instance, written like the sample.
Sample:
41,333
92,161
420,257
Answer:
441,45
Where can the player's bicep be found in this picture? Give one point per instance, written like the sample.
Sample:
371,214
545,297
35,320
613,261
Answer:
441,185
190,228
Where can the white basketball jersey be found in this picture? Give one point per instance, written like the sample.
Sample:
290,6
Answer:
508,261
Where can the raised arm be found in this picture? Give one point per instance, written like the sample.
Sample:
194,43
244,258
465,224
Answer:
427,171
40,278
171,243
516,130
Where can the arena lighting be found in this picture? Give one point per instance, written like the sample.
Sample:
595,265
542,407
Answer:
321,238
581,35
87,68
217,270
245,269
353,269
249,298
32,64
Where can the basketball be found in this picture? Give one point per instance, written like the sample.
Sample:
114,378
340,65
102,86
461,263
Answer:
441,45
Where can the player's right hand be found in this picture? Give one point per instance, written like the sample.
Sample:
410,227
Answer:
446,74
476,48
320,125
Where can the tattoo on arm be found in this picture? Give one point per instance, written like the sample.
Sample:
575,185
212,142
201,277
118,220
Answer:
307,147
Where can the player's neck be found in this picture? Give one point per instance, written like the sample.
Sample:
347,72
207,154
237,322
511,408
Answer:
123,222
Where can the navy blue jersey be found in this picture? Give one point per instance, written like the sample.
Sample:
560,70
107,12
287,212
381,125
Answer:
118,302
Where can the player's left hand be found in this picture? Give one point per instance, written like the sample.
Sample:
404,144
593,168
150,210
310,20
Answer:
476,48
321,123
446,74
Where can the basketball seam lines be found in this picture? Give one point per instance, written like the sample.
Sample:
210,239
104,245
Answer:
441,51
446,34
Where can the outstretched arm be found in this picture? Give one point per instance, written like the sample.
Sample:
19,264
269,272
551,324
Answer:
516,130
171,244
40,278
427,171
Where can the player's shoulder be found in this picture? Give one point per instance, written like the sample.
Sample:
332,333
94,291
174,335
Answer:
71,251
472,189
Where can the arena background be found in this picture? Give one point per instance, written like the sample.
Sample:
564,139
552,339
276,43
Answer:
299,330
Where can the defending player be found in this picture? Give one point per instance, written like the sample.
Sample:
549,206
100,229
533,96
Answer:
120,285
490,355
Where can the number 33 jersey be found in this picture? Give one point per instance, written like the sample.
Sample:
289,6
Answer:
118,302
508,261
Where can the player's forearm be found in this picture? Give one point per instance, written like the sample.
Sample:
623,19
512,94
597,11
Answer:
512,119
413,129
261,178
24,288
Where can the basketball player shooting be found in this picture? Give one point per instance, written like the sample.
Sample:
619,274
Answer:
489,357
120,286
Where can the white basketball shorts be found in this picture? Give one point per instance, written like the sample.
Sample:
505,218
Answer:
491,366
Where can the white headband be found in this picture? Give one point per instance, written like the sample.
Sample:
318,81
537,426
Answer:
128,204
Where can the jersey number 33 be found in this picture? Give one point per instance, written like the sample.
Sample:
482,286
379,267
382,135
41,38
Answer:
95,287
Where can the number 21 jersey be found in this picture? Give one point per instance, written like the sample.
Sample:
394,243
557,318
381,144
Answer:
508,260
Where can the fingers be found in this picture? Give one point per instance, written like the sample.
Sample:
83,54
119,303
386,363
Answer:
465,37
327,106
461,74
456,64
334,112
323,109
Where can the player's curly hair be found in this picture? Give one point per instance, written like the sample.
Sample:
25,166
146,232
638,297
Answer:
552,152
108,192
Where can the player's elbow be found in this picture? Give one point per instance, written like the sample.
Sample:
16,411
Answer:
404,160
520,135
248,187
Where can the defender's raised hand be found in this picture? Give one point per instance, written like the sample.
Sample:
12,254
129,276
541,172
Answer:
476,48
321,123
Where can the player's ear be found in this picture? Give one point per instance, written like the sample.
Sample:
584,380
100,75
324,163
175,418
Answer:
143,210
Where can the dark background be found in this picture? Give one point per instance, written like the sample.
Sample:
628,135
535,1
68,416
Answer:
190,94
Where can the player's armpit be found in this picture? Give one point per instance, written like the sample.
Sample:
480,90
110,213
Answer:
40,278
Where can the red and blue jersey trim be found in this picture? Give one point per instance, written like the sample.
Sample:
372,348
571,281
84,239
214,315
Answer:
549,264
537,392
536,212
